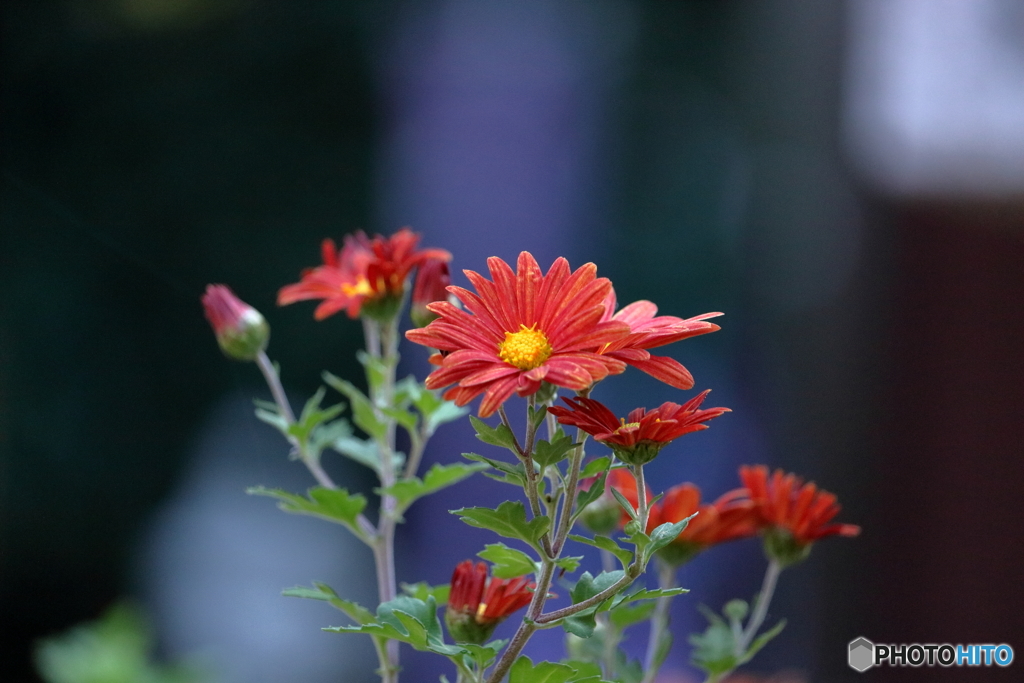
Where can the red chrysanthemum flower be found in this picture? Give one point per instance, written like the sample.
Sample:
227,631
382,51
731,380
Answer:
648,331
519,330
729,518
241,330
477,603
792,514
432,281
363,272
637,438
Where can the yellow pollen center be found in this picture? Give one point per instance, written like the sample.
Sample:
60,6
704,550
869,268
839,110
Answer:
360,288
627,425
481,609
526,349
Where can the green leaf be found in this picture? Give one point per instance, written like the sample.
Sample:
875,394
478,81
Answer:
422,590
714,649
408,620
508,562
446,412
762,640
496,436
582,624
596,467
511,474
736,610
605,543
334,505
625,504
508,520
585,498
536,416
650,594
484,654
569,564
407,491
363,451
377,369
664,534
627,615
267,411
404,418
524,671
547,453
363,413
321,591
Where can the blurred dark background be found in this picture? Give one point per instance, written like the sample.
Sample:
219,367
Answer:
852,205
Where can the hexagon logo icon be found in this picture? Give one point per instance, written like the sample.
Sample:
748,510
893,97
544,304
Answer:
861,654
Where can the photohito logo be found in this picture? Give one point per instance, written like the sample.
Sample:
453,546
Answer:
863,654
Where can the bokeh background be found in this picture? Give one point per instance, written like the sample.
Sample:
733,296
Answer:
843,179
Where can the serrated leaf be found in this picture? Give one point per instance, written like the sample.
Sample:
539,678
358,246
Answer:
407,491
500,436
650,594
363,413
422,590
484,654
569,564
334,505
605,543
511,474
582,624
535,416
595,467
714,649
508,520
408,620
524,671
508,563
547,453
321,591
445,413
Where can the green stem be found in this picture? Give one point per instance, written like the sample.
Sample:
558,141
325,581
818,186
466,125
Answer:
764,598
659,621
528,625
532,488
382,343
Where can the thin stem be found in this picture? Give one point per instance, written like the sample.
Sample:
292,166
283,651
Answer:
528,625
532,489
285,408
571,489
659,621
382,343
611,637
630,575
764,598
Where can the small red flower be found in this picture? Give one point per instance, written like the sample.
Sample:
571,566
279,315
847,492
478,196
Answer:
477,603
729,518
363,271
241,330
432,280
637,438
647,332
519,330
793,515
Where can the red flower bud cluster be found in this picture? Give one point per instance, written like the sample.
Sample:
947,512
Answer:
477,603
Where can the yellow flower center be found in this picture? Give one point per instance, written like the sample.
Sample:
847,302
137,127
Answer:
360,288
526,349
626,425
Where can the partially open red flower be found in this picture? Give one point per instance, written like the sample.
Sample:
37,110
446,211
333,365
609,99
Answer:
637,438
519,330
646,331
363,272
477,603
242,332
729,518
792,514
432,280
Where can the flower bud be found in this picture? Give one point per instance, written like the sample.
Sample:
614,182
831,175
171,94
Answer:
432,280
603,516
241,330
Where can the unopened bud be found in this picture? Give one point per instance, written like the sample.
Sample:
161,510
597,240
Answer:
241,330
432,280
633,527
